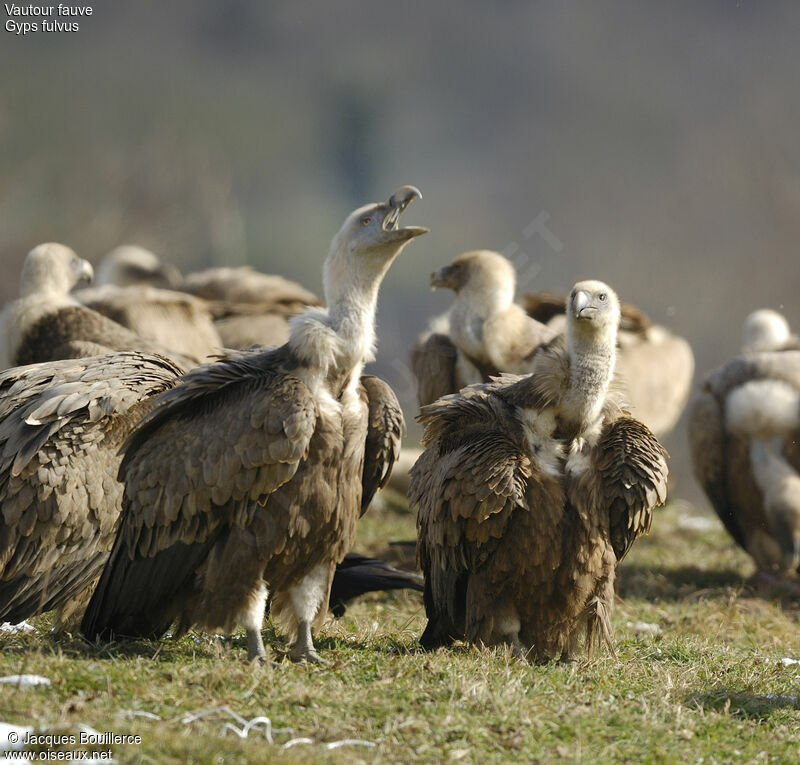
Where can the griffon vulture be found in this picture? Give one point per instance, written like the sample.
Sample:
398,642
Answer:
132,266
250,308
768,330
530,491
485,333
250,475
744,434
174,320
47,323
61,428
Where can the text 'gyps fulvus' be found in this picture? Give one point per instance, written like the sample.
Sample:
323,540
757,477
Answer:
248,476
530,491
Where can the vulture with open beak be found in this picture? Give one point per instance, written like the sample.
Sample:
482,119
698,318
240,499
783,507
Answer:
249,476
530,491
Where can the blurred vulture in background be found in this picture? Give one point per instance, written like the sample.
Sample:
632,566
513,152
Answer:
485,332
530,491
744,434
247,307
132,266
61,428
249,476
172,319
250,308
768,330
47,323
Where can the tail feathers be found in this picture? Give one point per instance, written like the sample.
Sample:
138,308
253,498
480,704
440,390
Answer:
142,597
445,609
598,627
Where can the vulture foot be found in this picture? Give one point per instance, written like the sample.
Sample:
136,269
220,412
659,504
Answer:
303,649
255,647
310,657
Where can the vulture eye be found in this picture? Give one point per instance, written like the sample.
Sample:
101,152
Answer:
602,297
366,220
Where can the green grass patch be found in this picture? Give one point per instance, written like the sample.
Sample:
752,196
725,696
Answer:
697,677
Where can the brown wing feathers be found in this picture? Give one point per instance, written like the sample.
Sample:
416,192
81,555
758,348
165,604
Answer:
386,428
196,464
632,469
62,426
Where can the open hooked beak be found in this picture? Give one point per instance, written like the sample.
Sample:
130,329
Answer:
396,206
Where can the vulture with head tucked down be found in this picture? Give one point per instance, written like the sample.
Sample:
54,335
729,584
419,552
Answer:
61,428
132,266
485,332
47,323
249,308
744,434
768,330
530,491
250,475
174,320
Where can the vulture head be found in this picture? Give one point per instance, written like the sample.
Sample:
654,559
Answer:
481,277
365,246
343,334
53,269
130,265
765,330
592,313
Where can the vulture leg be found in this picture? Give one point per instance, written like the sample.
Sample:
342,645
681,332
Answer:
255,646
303,649
306,599
252,619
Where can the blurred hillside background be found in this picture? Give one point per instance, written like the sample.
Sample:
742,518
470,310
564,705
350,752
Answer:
655,143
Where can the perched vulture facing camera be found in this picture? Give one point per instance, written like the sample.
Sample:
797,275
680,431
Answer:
61,428
530,491
250,475
485,332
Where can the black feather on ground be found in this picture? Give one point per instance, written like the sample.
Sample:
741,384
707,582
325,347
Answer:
358,574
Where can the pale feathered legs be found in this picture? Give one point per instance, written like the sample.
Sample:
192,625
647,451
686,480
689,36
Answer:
306,599
252,620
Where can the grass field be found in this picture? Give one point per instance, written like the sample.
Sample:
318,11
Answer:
698,677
